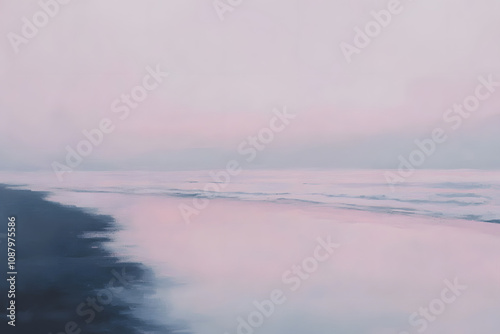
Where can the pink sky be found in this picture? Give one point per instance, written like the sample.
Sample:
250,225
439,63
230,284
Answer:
227,76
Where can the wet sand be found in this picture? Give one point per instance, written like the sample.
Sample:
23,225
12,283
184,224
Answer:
67,280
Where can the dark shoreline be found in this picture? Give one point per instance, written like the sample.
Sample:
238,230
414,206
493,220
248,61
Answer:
65,280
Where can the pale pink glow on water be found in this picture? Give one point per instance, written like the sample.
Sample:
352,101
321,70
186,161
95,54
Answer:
236,251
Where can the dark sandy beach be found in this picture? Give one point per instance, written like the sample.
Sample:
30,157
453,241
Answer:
67,282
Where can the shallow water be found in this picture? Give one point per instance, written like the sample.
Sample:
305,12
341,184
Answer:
397,251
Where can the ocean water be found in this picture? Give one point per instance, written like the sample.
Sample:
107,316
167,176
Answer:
233,245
